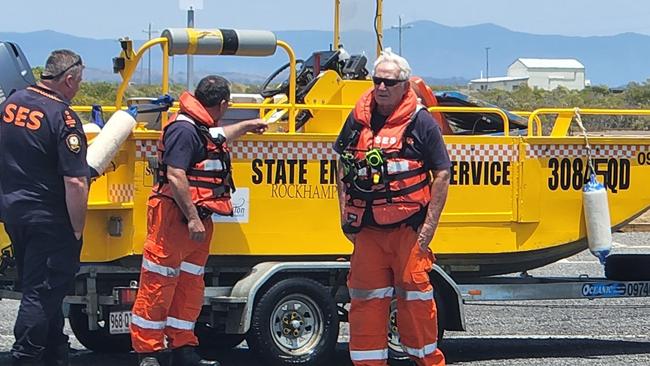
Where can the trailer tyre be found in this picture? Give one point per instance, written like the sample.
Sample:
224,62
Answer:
395,350
295,322
96,340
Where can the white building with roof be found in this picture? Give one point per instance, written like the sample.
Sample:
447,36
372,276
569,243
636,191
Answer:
548,74
508,83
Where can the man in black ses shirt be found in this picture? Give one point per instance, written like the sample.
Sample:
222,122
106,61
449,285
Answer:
43,200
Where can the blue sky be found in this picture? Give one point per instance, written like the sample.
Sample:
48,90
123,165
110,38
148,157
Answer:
117,18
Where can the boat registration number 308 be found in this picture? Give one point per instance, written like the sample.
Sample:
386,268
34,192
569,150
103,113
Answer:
119,321
616,289
567,174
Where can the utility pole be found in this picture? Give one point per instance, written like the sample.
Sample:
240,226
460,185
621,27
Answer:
399,28
487,66
190,6
141,72
172,76
190,61
149,31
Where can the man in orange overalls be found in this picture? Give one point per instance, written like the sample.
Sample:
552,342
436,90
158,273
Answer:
194,181
393,182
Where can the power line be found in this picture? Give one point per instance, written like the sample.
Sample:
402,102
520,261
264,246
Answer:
399,28
190,60
487,66
149,31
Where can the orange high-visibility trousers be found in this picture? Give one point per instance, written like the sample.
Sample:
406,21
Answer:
170,294
388,262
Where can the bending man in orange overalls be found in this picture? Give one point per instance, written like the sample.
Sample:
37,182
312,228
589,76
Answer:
194,180
393,181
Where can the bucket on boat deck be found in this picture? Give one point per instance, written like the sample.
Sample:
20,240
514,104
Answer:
599,233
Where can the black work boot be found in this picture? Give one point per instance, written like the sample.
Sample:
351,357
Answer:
57,355
148,359
187,356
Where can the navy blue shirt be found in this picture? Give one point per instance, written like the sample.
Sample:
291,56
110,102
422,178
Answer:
184,147
41,141
428,145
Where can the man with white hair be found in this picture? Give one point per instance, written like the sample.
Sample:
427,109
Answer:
393,182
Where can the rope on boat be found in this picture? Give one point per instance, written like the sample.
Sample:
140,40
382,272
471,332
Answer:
576,114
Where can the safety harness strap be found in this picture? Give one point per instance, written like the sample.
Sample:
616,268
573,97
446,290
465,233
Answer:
401,176
208,173
377,195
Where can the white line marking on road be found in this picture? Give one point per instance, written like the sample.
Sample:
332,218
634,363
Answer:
549,336
632,246
564,261
621,245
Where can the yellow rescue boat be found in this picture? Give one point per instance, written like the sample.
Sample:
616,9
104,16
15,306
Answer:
515,200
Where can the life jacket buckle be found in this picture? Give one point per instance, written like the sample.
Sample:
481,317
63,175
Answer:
376,178
350,168
157,170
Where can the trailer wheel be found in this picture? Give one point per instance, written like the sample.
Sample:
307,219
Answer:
96,340
395,350
295,322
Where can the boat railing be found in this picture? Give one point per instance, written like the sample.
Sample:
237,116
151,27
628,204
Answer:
565,117
498,111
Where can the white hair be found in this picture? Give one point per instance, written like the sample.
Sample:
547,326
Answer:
387,55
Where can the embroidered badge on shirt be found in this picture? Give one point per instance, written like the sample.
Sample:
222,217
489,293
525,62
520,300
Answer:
74,143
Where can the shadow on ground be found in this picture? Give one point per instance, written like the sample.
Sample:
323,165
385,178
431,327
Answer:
479,349
456,350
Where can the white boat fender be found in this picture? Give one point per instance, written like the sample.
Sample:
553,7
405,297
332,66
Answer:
597,220
91,127
107,143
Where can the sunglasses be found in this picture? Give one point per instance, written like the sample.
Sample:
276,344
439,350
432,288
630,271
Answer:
51,77
387,82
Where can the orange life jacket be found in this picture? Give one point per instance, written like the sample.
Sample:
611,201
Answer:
428,98
210,180
392,188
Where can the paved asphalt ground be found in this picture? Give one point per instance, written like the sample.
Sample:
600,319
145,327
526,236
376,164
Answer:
576,332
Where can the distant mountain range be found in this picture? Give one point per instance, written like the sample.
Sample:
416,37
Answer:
441,54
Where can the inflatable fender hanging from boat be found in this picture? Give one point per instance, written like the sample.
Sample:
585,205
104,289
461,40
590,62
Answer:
599,232
107,143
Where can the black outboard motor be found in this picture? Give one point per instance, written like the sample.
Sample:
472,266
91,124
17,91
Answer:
15,72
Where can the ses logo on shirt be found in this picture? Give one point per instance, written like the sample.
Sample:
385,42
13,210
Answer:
240,205
385,141
23,116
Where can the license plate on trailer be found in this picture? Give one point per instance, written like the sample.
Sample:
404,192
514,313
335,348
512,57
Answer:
118,322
